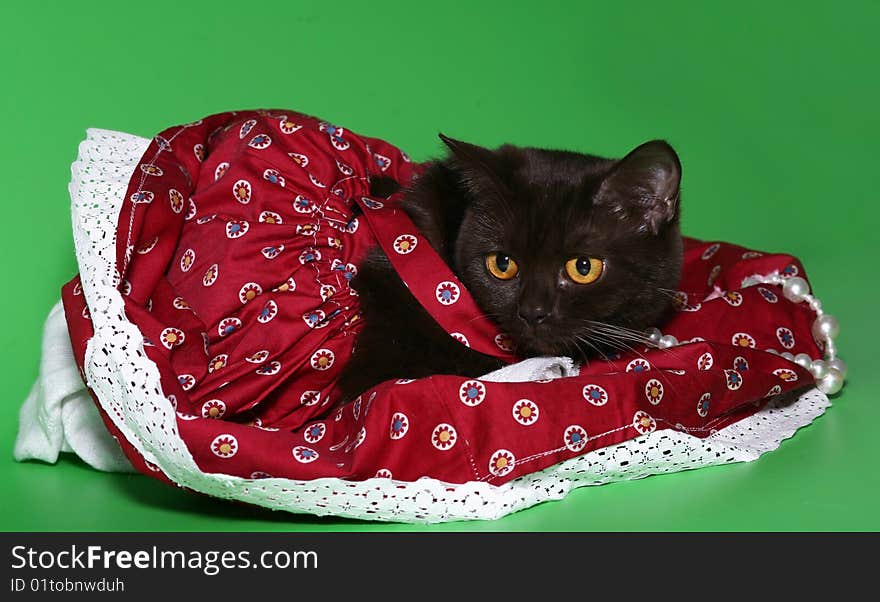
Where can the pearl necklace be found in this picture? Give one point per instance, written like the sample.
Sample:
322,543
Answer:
830,372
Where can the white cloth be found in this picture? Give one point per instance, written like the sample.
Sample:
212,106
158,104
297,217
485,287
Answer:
536,368
59,414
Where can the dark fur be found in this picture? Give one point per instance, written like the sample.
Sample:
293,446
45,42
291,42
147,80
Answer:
541,207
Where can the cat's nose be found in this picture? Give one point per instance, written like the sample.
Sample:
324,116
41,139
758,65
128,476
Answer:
534,314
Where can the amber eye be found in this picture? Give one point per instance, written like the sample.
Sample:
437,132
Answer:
501,266
584,270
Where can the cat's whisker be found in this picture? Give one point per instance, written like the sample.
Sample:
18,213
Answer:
599,351
624,334
616,327
568,344
668,290
668,295
614,343
676,355
669,350
660,373
588,342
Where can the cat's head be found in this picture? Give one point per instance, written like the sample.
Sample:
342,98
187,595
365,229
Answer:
553,244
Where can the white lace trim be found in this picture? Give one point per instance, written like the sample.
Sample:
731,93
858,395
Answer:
127,386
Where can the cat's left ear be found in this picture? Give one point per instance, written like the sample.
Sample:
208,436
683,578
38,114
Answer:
644,185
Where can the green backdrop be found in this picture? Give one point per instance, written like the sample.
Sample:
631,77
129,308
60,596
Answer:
773,109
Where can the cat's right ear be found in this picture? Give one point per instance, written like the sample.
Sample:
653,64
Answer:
476,166
644,186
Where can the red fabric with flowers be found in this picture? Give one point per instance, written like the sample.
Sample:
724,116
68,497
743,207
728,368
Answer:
235,248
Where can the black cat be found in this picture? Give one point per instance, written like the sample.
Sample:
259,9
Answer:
570,254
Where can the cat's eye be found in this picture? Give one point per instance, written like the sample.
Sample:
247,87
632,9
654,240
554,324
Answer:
584,270
501,266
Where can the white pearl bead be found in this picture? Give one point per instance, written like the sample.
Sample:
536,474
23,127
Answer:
803,360
667,340
830,350
795,288
788,355
831,383
773,351
826,327
819,368
654,335
839,365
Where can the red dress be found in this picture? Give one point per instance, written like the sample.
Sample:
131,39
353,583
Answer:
235,250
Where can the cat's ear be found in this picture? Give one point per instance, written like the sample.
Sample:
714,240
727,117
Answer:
644,185
477,166
465,151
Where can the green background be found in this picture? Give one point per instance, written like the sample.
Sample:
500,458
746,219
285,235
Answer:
772,107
